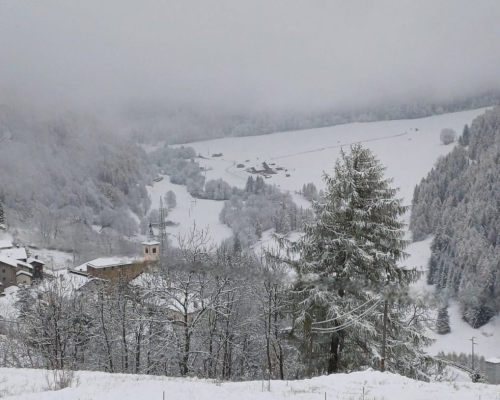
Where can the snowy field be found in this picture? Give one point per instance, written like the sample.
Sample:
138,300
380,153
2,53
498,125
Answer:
409,149
25,384
188,211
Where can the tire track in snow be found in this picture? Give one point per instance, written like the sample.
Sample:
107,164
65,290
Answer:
339,145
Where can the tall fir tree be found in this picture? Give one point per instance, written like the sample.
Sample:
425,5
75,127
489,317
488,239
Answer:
351,250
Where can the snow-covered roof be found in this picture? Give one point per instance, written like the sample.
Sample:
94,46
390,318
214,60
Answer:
17,253
81,268
151,243
110,262
7,260
22,272
6,244
33,260
24,264
494,360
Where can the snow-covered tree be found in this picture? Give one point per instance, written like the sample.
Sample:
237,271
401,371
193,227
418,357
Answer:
237,245
448,136
348,259
443,321
465,136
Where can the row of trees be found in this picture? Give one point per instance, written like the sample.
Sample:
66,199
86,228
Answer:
219,312
458,203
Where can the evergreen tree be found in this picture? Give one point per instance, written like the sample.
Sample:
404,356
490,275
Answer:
352,249
465,137
249,184
2,216
258,230
443,321
237,245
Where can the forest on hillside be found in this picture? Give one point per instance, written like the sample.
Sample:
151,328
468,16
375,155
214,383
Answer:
150,123
458,203
64,173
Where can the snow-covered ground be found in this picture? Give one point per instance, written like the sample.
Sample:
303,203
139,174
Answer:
25,384
189,210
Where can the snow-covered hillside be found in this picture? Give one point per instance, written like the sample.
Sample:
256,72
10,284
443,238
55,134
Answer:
409,149
25,384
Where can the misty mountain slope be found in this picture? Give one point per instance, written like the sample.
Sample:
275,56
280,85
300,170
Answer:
59,170
151,123
458,202
408,153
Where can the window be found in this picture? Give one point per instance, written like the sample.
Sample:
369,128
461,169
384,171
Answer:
154,249
3,270
4,278
147,250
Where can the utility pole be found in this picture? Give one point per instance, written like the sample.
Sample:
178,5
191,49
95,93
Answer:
473,343
384,339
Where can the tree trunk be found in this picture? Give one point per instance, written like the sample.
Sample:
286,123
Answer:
333,362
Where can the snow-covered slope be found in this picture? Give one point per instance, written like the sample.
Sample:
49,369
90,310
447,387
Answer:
188,211
409,149
28,384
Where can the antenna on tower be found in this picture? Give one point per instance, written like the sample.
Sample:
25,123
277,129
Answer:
162,231
151,234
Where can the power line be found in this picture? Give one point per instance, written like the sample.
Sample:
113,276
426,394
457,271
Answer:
346,315
350,323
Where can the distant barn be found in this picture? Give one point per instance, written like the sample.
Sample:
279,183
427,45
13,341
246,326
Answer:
240,166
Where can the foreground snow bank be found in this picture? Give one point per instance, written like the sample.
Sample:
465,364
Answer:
31,384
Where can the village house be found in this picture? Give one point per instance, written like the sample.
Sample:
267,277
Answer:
124,268
16,268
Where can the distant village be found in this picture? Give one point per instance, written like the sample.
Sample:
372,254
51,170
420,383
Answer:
18,267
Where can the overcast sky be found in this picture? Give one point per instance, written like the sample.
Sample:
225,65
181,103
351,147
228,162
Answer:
247,54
